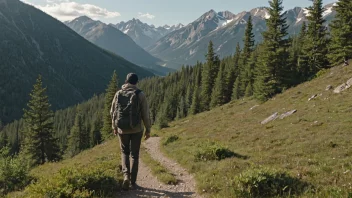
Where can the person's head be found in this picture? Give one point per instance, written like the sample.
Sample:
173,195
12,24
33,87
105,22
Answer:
132,79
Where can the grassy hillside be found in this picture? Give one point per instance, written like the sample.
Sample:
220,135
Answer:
313,145
92,173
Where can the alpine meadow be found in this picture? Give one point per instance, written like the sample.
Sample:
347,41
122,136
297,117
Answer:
255,104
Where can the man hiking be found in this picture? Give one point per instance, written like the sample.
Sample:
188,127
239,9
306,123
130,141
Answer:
129,107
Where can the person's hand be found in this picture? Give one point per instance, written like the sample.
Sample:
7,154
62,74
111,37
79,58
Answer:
146,136
115,132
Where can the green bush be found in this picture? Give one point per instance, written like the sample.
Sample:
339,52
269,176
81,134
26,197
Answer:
321,73
170,139
212,151
265,182
76,182
13,175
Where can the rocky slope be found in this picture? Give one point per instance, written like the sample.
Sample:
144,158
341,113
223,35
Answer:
189,44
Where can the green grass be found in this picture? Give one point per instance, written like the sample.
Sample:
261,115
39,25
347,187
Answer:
313,145
93,173
158,170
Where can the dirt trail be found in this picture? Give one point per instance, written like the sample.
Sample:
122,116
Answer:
148,184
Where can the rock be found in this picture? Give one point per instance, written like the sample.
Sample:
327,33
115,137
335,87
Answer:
313,97
270,118
343,86
328,88
349,83
254,107
284,115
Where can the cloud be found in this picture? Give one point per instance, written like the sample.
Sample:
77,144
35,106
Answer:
67,10
146,15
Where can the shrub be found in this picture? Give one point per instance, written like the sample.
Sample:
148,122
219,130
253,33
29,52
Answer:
264,182
321,73
170,139
213,151
76,182
13,175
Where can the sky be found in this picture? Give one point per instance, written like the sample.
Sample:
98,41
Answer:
156,12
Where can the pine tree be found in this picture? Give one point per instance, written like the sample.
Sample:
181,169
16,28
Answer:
248,48
40,145
314,54
272,61
208,77
188,98
195,105
250,74
341,33
109,96
236,89
248,41
75,141
218,93
231,74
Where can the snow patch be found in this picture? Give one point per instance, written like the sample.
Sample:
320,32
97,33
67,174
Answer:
327,11
267,15
126,31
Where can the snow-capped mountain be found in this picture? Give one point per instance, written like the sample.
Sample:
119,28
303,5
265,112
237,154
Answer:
189,44
143,34
114,40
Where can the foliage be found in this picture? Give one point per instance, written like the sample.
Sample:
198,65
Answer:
341,33
170,139
212,151
40,145
13,173
73,182
272,61
109,96
265,182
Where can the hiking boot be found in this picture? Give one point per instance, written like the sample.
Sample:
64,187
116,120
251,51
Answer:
134,186
126,183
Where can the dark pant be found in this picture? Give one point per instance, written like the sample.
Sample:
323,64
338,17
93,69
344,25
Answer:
130,145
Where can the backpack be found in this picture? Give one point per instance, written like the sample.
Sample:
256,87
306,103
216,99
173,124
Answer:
127,111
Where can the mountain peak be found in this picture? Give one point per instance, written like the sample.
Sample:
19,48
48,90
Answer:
83,19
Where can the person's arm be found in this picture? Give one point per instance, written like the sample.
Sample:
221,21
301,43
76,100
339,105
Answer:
145,114
112,110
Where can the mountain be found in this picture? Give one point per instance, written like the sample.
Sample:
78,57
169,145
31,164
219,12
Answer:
143,34
72,68
189,44
112,39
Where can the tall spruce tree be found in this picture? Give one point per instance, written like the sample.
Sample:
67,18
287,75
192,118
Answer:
272,60
209,74
232,73
250,74
248,48
195,105
341,33
314,54
218,93
236,89
40,145
109,96
75,139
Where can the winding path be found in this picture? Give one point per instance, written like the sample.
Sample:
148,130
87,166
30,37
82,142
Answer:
148,184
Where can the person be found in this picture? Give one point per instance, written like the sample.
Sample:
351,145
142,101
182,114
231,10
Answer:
129,108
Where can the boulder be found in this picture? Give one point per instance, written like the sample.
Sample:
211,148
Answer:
270,118
343,86
284,115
